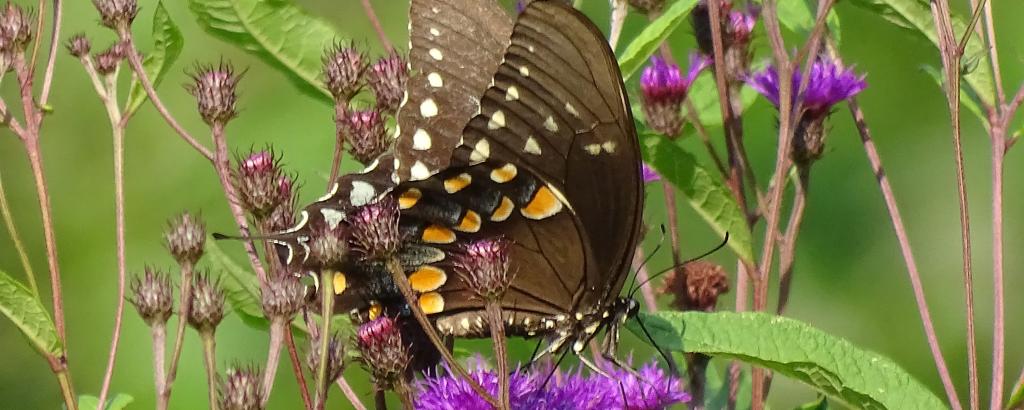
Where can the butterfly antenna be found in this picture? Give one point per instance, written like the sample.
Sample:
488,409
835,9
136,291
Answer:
661,242
681,264
554,369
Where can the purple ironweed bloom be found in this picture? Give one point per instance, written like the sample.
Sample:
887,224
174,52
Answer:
648,173
664,88
739,24
533,390
827,85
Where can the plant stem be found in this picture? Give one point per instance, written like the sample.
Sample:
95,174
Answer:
497,325
278,328
66,389
353,398
787,251
380,399
210,362
999,298
618,17
19,246
159,334
36,162
375,22
300,377
51,59
326,311
184,307
340,108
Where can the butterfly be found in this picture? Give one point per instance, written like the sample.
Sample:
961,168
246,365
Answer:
516,129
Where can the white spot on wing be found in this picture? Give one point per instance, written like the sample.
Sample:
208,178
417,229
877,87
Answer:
303,218
481,151
592,149
524,71
572,110
512,93
428,108
421,140
436,54
532,146
333,217
419,172
330,193
434,32
362,193
550,124
609,146
435,80
497,120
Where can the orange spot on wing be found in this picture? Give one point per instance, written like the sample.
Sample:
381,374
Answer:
457,183
504,174
437,234
409,198
431,302
427,278
470,222
340,282
504,210
543,204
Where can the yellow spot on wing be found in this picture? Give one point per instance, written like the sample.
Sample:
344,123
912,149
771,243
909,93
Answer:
427,278
339,283
437,234
457,183
409,198
504,174
504,210
543,204
431,302
470,222
375,310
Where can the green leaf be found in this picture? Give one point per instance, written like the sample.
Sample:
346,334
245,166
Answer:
799,17
277,31
967,99
916,16
704,96
645,43
1016,398
829,364
820,404
707,195
241,287
717,390
118,402
28,314
167,44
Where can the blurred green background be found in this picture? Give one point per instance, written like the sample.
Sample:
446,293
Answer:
850,279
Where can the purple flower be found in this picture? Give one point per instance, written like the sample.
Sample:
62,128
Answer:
664,88
828,84
649,174
534,390
740,24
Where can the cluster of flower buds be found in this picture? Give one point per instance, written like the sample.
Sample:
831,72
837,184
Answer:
78,45
283,298
108,61
215,92
664,89
828,83
344,67
185,238
15,33
736,28
335,357
328,245
387,77
117,14
366,134
374,230
153,297
240,389
483,265
382,350
696,286
207,304
264,188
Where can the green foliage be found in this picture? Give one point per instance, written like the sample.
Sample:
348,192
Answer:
703,94
798,16
830,364
28,314
716,392
645,43
916,16
966,99
241,288
167,45
820,404
706,194
276,31
118,402
1016,398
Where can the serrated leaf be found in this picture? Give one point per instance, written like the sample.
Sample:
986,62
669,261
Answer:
167,45
29,316
645,43
967,99
830,364
241,287
276,31
707,195
799,17
916,16
703,94
119,402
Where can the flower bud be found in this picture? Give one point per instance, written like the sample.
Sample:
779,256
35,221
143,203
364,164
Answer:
108,60
283,297
387,78
78,45
283,215
15,28
335,357
344,67
214,89
241,389
367,136
207,304
117,14
185,238
261,185
382,350
648,173
696,286
664,89
374,229
483,265
328,246
153,296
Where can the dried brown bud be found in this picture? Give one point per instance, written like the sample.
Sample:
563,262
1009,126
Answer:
335,357
117,14
108,60
328,245
367,136
483,265
215,92
153,296
696,286
374,229
207,308
283,215
261,184
241,389
15,28
185,238
382,350
344,67
387,78
78,45
283,297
